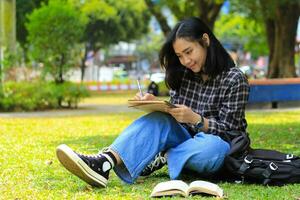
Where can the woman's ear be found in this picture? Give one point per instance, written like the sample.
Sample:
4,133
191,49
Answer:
206,39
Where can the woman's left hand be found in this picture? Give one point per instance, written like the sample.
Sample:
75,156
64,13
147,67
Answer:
183,114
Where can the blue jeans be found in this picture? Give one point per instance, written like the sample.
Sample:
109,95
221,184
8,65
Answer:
138,144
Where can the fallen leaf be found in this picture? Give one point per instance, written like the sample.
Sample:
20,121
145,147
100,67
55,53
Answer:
48,162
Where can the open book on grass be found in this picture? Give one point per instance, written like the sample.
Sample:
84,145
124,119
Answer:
149,106
178,187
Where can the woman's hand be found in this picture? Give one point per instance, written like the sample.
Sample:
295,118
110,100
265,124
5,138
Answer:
184,114
146,96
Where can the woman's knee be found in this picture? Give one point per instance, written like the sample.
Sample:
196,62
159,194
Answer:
205,165
159,117
212,143
208,155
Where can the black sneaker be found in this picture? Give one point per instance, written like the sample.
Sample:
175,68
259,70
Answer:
157,163
92,169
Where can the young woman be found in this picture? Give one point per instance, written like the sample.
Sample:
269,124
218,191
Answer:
210,94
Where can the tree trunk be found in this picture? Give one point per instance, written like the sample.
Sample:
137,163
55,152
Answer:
1,70
159,17
7,32
270,31
60,72
282,62
209,11
82,66
273,69
8,25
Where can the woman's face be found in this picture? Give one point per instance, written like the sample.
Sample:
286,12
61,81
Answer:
190,54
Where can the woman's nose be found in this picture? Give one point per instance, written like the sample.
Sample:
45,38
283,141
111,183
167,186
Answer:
186,61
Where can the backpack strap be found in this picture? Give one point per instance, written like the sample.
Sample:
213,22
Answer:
289,156
268,172
246,164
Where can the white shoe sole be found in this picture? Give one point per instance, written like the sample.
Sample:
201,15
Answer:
72,162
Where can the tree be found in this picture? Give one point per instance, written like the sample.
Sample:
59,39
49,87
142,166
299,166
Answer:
280,19
207,10
54,31
156,11
7,34
281,26
110,22
242,32
23,8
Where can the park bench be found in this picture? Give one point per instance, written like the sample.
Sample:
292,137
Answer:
274,91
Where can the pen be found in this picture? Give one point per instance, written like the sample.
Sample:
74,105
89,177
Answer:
139,86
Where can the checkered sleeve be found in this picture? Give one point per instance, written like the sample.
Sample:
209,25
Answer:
232,111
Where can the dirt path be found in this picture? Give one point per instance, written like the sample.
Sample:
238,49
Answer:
82,110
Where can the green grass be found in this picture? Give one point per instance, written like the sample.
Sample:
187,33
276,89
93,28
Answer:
29,168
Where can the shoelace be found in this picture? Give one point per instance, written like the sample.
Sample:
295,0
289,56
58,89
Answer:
104,149
159,159
94,156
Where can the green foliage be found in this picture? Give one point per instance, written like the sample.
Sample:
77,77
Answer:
54,31
258,9
11,59
183,8
207,10
7,61
188,8
239,30
40,95
26,96
112,21
249,8
98,9
69,93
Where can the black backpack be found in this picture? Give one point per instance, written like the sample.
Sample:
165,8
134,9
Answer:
268,167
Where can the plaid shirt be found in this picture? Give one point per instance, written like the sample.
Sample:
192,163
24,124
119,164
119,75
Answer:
221,100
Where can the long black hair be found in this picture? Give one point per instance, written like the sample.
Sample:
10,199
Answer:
192,29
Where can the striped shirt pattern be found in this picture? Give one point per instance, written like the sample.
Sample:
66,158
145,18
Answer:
221,100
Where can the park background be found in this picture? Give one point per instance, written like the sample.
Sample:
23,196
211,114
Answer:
68,67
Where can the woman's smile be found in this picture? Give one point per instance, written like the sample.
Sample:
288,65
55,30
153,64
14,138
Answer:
192,67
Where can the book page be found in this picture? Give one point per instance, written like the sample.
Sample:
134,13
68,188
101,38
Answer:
205,187
168,188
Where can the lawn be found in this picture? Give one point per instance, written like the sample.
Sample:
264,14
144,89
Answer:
29,168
